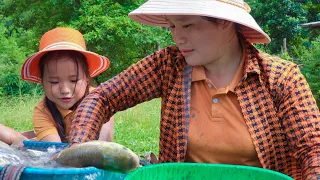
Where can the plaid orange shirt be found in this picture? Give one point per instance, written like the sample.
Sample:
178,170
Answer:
275,99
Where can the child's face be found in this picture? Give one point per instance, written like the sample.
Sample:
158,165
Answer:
62,84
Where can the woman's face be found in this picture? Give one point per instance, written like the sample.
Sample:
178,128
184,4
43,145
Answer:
64,82
200,41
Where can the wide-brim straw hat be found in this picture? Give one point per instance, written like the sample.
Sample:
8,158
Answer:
154,13
62,39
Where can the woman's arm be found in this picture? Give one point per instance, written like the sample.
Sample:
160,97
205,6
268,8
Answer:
300,118
141,82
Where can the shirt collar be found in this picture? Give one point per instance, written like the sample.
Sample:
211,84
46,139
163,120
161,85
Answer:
198,73
251,64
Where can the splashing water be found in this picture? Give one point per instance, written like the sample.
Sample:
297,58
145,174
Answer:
28,157
42,157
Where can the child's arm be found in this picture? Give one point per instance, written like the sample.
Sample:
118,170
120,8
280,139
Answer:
9,135
107,130
51,138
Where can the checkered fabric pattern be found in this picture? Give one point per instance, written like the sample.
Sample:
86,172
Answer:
275,99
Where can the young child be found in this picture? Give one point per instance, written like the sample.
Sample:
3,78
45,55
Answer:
64,68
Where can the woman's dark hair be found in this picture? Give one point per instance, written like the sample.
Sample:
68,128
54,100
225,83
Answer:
211,19
217,21
78,58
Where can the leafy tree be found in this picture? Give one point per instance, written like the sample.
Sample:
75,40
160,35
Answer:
311,66
313,8
280,19
105,24
37,16
11,59
109,31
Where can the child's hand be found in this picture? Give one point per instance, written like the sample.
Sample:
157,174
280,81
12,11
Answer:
9,135
18,142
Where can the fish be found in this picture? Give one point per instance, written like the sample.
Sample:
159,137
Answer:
100,154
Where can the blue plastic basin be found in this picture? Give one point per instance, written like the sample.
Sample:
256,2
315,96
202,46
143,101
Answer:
31,173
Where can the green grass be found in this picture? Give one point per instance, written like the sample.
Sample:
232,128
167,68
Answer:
16,112
136,128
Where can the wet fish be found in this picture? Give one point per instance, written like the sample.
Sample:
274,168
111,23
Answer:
100,154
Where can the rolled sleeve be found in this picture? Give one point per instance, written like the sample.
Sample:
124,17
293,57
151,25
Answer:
301,117
141,82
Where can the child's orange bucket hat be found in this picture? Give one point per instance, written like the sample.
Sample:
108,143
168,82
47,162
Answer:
62,39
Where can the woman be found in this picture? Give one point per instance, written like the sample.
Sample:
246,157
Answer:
223,101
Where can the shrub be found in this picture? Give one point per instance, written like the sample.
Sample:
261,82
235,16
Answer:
12,57
311,68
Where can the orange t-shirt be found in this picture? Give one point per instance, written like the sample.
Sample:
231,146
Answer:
43,122
217,130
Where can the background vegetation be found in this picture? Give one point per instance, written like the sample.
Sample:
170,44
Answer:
136,128
109,31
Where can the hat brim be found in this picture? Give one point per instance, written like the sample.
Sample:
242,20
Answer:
31,72
154,13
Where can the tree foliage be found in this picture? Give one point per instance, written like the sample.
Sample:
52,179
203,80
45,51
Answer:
280,19
311,68
110,32
11,60
105,24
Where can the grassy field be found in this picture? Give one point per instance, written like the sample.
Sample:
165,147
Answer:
137,128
